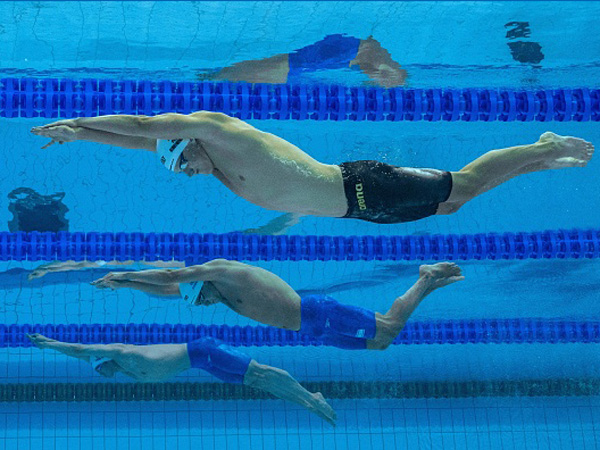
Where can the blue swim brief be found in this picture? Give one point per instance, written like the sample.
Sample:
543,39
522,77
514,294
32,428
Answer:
218,359
343,326
333,52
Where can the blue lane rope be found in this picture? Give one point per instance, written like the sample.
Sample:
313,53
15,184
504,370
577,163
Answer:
476,331
52,97
62,246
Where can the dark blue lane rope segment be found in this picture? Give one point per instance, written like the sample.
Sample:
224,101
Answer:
339,390
479,331
191,247
53,97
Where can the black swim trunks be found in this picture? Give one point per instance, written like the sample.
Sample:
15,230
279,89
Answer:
382,193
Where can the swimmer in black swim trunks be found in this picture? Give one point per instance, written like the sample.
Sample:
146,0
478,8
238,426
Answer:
275,174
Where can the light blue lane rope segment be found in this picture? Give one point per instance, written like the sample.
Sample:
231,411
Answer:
62,246
476,331
66,98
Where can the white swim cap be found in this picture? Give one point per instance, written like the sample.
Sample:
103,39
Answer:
190,291
169,151
97,361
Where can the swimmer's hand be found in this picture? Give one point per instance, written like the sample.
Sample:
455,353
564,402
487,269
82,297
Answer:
59,266
66,122
39,340
112,280
57,133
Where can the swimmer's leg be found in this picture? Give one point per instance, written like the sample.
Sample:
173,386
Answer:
282,385
497,166
273,69
233,366
391,323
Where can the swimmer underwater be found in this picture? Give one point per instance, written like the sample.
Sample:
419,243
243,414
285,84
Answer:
262,296
275,174
155,363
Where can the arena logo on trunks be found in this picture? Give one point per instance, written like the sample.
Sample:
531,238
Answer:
360,197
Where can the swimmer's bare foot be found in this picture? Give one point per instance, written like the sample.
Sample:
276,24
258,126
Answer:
321,408
565,151
441,274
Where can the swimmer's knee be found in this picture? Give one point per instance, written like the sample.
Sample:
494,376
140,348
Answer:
379,343
387,330
465,185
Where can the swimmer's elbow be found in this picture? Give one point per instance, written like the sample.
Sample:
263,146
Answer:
170,276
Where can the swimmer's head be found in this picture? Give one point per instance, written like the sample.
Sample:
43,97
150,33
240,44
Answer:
209,295
169,151
184,156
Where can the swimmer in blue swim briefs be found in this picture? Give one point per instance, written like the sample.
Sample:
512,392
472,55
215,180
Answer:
156,363
336,51
275,174
262,296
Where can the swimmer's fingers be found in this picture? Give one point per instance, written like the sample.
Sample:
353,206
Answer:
101,283
65,122
39,340
58,133
110,281
104,284
36,273
52,142
45,132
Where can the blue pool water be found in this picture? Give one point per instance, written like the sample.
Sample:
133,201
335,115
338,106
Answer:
440,44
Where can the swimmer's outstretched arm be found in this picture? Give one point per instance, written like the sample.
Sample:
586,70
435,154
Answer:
163,126
61,132
203,272
79,351
161,290
67,266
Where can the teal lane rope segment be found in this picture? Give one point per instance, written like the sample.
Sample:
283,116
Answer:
52,97
191,391
476,331
195,248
